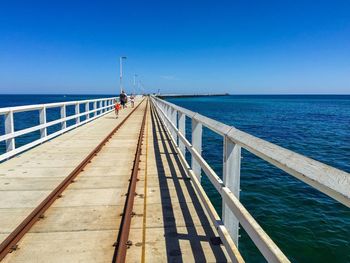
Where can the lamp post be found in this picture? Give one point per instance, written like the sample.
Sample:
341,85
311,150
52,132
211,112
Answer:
135,75
121,73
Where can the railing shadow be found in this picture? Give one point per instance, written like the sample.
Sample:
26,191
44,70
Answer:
177,174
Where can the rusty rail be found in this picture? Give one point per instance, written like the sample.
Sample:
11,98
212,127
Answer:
122,242
9,244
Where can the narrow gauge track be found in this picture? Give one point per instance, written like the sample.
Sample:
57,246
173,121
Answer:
10,243
122,242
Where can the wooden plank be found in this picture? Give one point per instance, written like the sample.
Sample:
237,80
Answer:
90,204
176,227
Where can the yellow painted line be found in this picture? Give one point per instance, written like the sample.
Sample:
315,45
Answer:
145,199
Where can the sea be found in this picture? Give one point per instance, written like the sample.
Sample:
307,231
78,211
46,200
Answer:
307,225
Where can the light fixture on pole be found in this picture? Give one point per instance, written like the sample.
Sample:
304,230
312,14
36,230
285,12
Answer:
121,73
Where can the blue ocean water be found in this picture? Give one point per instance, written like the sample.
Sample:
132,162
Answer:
307,225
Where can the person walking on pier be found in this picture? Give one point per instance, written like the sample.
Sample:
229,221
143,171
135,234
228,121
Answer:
132,100
123,99
117,108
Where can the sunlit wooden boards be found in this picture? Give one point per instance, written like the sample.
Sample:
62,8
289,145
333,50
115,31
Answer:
83,223
170,224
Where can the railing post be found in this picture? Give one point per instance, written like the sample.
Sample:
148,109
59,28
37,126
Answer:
87,109
231,178
197,145
9,129
63,116
102,105
167,111
77,111
159,107
182,130
173,118
95,107
42,120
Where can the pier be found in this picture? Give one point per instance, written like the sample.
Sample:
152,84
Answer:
169,95
109,189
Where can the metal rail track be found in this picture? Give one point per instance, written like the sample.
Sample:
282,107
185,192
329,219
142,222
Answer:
122,242
10,243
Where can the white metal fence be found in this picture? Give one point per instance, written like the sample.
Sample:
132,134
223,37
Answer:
93,109
329,180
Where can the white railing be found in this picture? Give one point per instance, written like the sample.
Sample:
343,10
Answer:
99,108
331,181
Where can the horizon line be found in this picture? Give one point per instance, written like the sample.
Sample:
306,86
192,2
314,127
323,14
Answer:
198,94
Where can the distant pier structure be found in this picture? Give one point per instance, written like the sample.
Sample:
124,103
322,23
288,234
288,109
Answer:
178,95
107,189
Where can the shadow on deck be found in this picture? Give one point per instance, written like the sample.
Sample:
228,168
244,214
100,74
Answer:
199,235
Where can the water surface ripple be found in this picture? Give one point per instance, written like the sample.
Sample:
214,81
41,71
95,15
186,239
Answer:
307,225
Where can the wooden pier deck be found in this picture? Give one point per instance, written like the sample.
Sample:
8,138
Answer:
169,223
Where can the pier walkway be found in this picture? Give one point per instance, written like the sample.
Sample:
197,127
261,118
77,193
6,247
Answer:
128,189
168,222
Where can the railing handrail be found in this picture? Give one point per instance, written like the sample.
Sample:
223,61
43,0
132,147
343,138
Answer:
31,107
94,107
327,179
47,124
290,162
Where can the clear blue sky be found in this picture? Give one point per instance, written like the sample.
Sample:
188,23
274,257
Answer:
241,47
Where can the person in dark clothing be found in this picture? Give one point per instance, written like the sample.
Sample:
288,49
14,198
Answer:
123,99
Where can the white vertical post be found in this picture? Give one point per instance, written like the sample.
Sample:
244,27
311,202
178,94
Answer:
168,112
63,116
9,129
102,105
87,109
173,118
77,111
42,120
95,107
197,145
231,178
182,130
162,107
